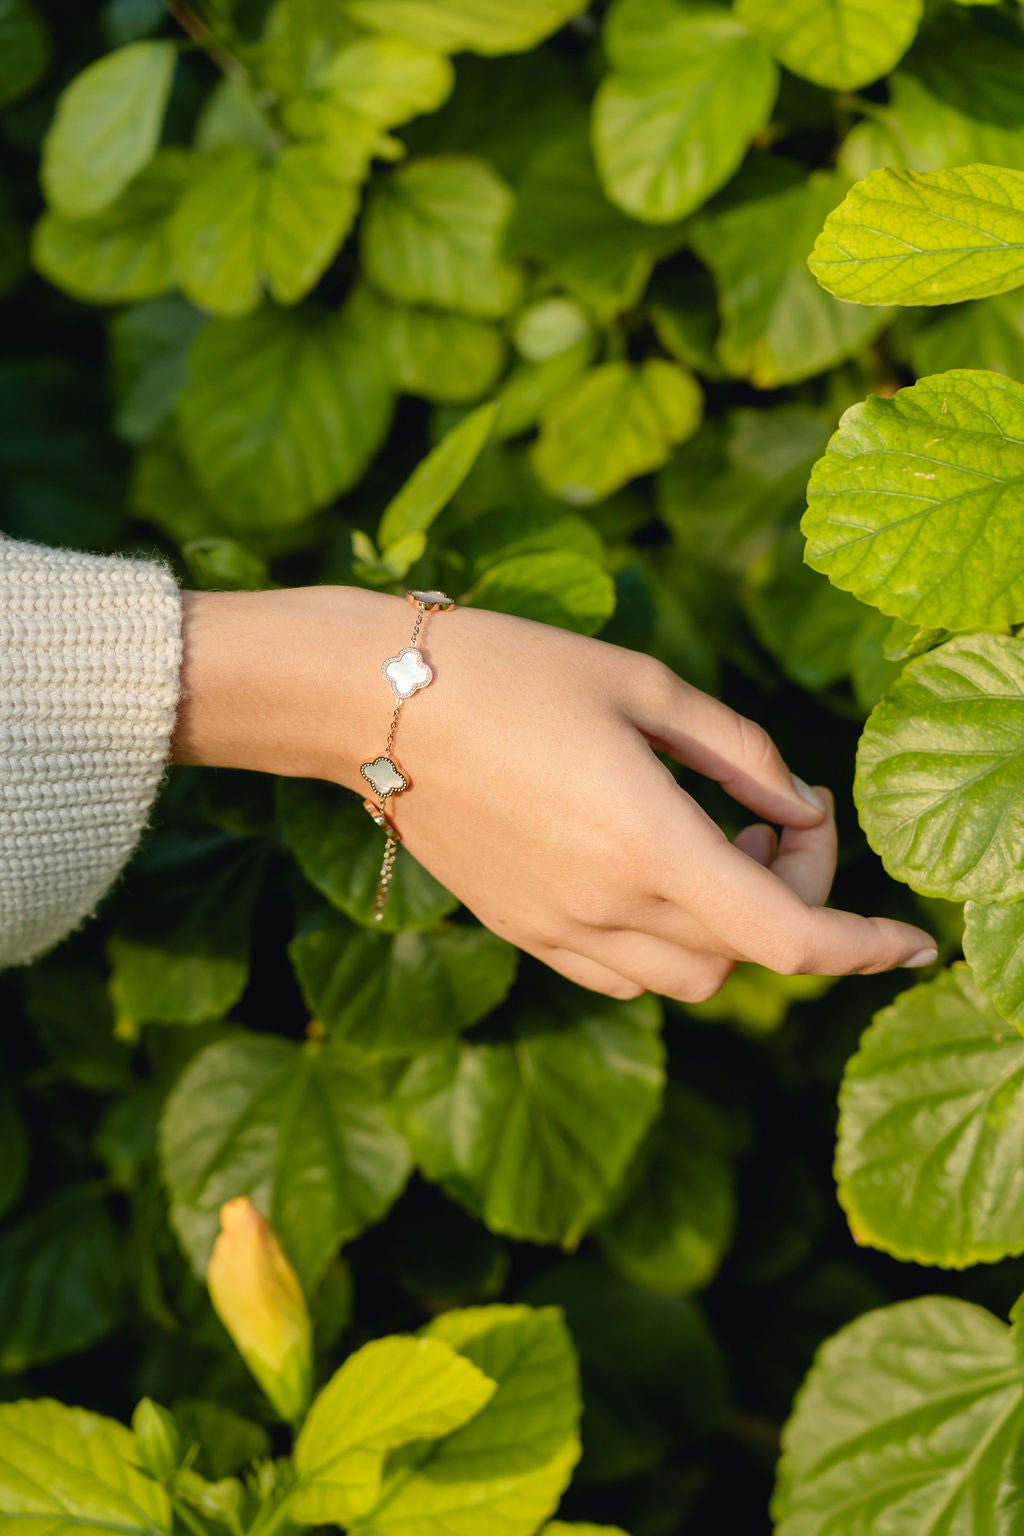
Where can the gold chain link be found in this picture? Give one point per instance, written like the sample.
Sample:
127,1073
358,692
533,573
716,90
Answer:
386,871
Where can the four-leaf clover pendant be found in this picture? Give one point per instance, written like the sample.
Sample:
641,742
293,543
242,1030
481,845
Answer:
407,672
384,777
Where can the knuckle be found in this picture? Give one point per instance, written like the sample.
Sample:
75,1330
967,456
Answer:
700,988
791,959
756,746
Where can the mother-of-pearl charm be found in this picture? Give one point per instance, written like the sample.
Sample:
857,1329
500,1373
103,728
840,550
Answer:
430,600
384,776
407,672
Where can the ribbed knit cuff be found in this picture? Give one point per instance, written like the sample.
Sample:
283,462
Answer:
90,655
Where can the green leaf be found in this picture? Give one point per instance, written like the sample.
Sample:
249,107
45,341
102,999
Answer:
303,1130
450,359
530,389
225,565
179,951
388,1393
563,1528
436,478
106,127
282,413
938,771
149,347
225,1441
675,1217
563,220
931,1129
394,995
840,44
124,252
808,626
690,87
484,26
432,235
388,80
550,327
778,326
339,849
535,1133
60,1282
994,950
301,39
683,310
910,1419
504,1471
988,333
725,492
64,1469
250,223
554,587
913,507
618,421
899,237
24,48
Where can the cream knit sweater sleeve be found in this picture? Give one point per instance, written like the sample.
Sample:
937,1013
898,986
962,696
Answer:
90,652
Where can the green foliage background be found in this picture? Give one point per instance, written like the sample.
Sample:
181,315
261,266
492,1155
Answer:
255,263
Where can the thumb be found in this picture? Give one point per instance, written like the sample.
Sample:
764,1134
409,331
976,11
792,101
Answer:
708,736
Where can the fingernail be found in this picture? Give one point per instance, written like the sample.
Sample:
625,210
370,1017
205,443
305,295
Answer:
922,957
807,793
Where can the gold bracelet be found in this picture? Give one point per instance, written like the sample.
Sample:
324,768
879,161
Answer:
406,674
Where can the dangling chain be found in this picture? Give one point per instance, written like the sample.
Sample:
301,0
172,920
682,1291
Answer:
406,673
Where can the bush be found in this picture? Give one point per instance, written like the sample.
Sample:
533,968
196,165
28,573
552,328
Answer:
513,297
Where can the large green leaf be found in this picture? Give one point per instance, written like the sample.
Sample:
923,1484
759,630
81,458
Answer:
24,48
994,949
563,219
340,850
388,1393
807,625
303,1130
931,1129
535,1133
840,44
778,325
939,770
560,587
914,507
504,1471
397,994
690,87
443,357
900,237
106,127
249,223
60,1281
436,478
149,347
179,951
382,81
283,411
615,422
432,234
910,1420
675,1217
63,1470
987,333
485,26
123,252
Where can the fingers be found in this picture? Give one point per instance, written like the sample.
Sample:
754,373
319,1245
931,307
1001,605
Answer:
704,734
585,972
758,842
806,857
658,966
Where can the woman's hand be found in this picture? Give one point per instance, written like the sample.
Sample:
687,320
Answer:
536,796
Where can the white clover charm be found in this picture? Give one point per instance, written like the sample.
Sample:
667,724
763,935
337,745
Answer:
407,672
384,776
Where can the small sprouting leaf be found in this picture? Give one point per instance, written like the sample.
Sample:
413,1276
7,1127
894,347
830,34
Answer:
252,1115
910,1419
690,87
840,44
397,994
505,1470
615,422
573,1093
432,234
389,1392
914,507
436,478
283,411
106,128
64,1469
939,771
931,1129
932,237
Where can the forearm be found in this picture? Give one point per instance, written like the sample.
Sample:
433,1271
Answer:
283,682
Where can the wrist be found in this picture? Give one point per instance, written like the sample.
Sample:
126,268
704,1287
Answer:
283,681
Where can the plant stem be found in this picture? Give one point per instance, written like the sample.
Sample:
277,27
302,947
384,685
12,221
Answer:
200,33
